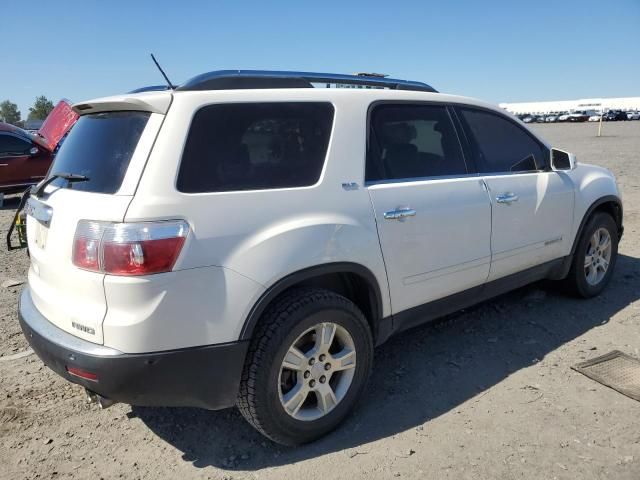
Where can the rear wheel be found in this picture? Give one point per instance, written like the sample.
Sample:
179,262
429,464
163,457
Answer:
306,367
595,257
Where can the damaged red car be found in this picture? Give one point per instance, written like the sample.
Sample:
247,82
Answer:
25,158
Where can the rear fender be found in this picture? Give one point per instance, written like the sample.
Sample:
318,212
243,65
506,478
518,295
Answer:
310,273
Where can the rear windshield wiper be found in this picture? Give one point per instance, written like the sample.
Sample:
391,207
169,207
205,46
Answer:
36,191
69,177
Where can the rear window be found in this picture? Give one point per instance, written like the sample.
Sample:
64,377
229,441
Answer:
255,146
100,147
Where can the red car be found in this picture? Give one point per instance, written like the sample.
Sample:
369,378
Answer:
25,158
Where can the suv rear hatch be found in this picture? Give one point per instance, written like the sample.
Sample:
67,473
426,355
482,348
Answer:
109,145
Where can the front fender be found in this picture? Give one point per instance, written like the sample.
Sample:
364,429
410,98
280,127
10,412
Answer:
594,186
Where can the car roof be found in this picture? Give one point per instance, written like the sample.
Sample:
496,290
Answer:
252,84
7,127
159,101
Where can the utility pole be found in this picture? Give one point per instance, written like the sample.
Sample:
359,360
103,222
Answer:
600,123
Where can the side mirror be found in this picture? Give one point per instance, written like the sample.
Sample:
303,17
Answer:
561,160
33,151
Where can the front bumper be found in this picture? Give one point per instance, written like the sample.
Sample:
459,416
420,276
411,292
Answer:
206,377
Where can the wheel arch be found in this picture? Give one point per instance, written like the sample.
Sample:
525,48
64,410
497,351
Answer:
610,204
352,280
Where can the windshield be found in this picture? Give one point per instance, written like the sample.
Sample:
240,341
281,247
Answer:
100,146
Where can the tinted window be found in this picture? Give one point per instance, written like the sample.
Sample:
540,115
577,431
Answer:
100,147
254,146
412,141
501,145
10,145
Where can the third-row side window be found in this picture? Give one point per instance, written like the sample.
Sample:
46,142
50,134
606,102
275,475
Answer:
255,146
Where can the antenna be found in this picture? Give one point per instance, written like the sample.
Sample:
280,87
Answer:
171,86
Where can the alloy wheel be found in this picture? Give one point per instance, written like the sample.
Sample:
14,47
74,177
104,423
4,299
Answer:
317,371
598,256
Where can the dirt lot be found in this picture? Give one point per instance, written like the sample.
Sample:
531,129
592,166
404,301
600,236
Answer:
488,394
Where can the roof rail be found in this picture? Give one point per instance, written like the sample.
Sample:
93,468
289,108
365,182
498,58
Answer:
257,79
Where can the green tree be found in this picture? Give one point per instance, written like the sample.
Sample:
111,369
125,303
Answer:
9,112
40,109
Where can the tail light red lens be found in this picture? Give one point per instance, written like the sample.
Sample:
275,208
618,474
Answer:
85,253
129,248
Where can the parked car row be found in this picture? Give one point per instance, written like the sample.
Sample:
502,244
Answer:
580,116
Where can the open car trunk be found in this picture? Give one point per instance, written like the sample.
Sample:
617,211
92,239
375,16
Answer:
57,124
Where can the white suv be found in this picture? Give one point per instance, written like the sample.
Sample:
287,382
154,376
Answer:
248,238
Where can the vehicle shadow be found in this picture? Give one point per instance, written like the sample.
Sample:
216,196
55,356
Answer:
418,375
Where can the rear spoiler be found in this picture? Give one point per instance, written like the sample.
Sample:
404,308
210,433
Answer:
154,102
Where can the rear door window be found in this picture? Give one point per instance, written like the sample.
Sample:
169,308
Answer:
255,146
412,141
501,145
100,147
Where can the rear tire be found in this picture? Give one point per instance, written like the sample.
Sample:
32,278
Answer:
307,365
595,257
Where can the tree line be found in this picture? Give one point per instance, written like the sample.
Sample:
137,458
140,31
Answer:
9,112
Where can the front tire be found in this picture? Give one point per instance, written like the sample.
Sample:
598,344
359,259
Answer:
595,257
307,365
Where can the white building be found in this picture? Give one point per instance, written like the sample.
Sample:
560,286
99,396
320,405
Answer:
587,104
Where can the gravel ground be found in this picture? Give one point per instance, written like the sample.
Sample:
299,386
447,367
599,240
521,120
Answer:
488,393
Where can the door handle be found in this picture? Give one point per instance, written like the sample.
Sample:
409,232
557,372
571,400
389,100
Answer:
507,198
399,213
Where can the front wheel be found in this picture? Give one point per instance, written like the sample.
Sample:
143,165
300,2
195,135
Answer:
595,257
306,367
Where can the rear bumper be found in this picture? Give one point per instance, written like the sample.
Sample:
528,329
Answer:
206,377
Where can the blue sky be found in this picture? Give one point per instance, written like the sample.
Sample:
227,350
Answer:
513,50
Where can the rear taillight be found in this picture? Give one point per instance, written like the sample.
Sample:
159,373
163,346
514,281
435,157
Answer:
128,248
